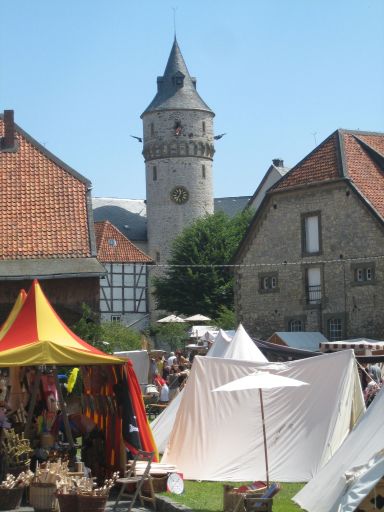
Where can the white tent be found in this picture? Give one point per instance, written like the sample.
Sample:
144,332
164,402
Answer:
340,481
220,344
244,348
218,438
140,362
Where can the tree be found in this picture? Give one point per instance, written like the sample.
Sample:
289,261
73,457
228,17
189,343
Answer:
197,280
172,335
106,336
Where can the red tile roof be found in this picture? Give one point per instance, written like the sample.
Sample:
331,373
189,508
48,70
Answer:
43,204
114,247
354,155
321,164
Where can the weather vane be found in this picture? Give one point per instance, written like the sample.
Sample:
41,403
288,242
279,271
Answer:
174,20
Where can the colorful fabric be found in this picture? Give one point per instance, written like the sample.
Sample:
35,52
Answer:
38,336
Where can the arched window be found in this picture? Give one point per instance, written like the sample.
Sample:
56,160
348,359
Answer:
296,326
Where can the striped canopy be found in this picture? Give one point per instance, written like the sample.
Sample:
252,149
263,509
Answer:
34,334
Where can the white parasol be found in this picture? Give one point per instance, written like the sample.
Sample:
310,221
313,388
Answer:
261,380
171,319
198,318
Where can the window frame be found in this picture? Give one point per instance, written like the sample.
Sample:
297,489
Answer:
364,269
304,217
268,282
342,317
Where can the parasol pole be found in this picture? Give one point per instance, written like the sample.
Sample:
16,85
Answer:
264,436
32,403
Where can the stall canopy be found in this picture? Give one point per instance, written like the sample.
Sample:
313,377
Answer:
38,336
218,438
13,313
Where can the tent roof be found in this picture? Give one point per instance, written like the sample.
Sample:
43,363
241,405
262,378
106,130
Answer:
244,348
38,336
302,340
13,313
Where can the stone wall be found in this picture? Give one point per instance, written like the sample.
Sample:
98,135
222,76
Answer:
351,237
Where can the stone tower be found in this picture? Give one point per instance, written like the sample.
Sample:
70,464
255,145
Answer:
178,152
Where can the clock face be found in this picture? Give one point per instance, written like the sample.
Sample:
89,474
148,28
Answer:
179,195
175,483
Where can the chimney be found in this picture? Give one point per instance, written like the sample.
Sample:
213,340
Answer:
8,141
277,162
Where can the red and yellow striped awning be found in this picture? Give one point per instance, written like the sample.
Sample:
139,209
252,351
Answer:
34,334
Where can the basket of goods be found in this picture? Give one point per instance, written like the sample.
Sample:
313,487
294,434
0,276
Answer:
234,497
159,483
77,494
16,450
43,488
12,490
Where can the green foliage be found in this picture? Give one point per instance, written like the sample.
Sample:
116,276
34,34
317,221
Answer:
201,284
173,335
226,319
106,336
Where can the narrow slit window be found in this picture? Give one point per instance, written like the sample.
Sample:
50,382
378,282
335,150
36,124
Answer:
203,171
154,173
204,127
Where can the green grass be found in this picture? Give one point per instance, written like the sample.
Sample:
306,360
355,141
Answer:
208,497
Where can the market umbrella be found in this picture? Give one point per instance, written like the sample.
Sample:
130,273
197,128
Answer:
198,318
171,319
261,380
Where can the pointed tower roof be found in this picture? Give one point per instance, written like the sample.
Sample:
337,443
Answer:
176,89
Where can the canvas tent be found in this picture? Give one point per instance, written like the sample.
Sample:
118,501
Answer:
140,361
224,346
218,437
38,336
341,481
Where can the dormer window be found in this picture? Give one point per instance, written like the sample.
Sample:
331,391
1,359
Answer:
178,79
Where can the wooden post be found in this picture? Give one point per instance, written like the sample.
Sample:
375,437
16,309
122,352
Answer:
264,436
63,408
32,402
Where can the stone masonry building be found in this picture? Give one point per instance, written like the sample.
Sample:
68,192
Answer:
313,256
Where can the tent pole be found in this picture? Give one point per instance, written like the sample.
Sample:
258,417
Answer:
63,408
264,436
32,403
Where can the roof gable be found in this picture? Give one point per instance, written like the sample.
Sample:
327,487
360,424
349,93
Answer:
44,204
321,164
114,247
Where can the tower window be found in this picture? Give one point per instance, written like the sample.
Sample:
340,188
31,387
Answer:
178,128
203,171
152,129
154,173
157,257
203,126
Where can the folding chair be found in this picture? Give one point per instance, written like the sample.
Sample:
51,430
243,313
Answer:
132,477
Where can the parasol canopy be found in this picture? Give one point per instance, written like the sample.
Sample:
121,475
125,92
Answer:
38,336
171,319
198,318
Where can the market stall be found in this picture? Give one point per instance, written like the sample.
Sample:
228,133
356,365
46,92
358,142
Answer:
34,343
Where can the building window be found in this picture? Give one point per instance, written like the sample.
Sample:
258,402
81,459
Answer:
178,128
335,329
295,326
152,129
115,318
363,273
268,282
313,282
203,127
311,233
154,173
203,171
157,257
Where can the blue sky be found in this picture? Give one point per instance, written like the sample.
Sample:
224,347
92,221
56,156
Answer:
279,74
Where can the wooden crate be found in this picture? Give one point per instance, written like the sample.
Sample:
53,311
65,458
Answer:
368,504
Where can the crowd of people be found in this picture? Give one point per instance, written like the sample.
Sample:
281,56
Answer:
169,374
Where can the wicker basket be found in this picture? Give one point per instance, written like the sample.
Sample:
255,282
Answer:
42,497
67,502
10,499
232,499
91,503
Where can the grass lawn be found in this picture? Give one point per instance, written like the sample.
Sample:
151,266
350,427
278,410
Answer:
208,497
